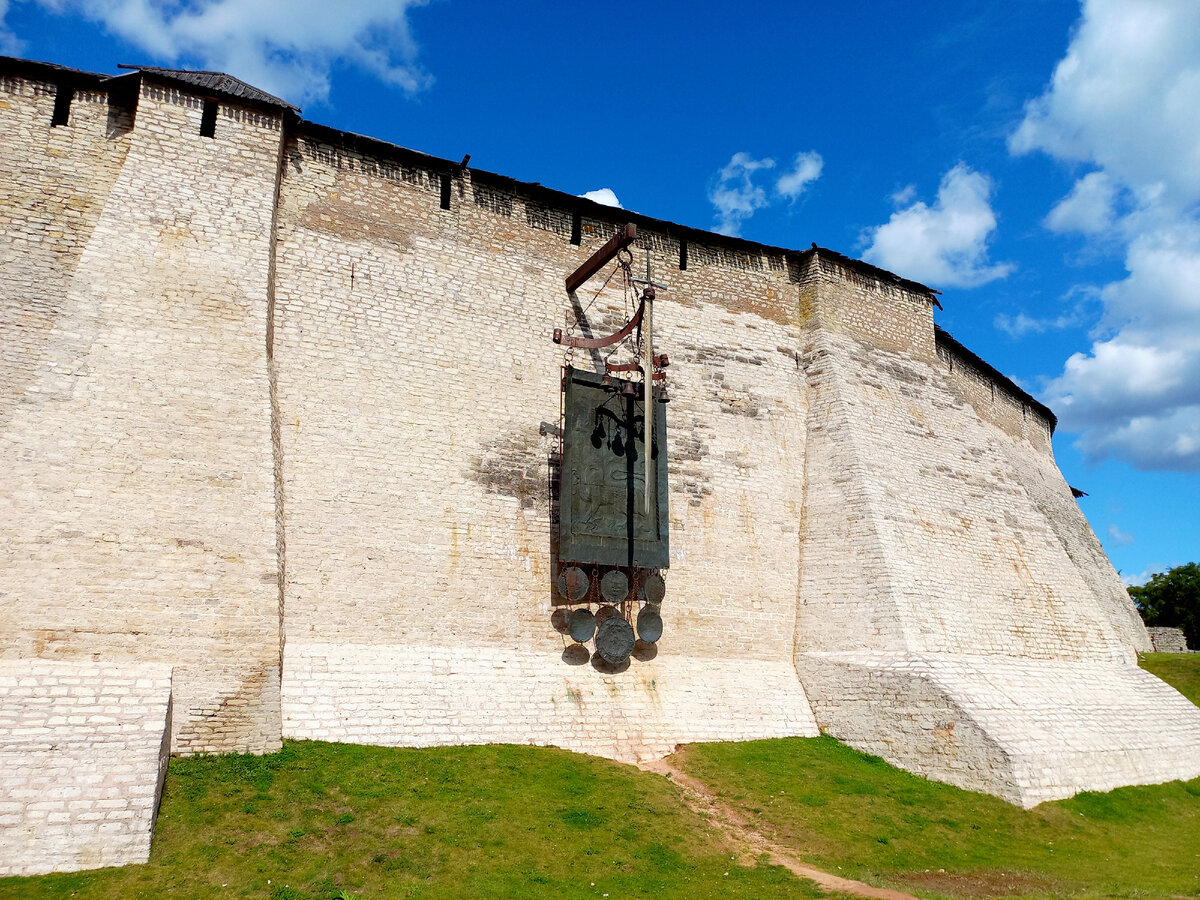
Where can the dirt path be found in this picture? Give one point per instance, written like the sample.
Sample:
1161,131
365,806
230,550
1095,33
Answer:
753,843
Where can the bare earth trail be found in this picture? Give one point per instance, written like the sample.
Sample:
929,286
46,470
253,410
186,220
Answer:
753,843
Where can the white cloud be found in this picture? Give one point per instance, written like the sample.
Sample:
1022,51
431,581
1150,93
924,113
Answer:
9,45
734,193
286,47
945,244
1086,298
1124,97
737,196
1089,208
603,196
1124,100
806,168
1135,395
1119,538
1020,325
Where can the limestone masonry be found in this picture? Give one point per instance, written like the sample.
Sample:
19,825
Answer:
278,405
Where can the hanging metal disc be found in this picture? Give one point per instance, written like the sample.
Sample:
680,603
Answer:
615,640
572,584
606,612
582,625
649,624
614,586
654,588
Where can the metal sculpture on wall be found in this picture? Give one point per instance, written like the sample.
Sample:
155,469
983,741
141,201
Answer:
613,521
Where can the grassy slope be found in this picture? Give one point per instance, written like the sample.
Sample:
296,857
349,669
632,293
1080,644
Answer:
499,821
508,821
837,807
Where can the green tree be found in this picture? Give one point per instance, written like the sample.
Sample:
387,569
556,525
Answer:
1172,598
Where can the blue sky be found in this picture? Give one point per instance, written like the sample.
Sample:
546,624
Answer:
1038,161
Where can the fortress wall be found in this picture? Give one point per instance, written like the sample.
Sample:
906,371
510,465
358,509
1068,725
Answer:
136,511
955,617
885,704
995,403
842,298
1043,483
1027,730
968,561
83,755
419,390
53,188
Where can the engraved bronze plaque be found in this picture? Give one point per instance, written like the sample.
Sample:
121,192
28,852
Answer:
615,640
603,518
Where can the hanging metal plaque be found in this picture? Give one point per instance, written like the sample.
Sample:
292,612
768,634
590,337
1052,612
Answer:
615,640
654,589
649,624
582,625
614,586
603,514
573,584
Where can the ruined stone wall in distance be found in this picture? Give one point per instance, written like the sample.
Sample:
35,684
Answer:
136,503
419,391
1168,640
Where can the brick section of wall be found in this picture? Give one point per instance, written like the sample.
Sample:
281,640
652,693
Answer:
957,615
1168,640
226,417
437,695
83,753
995,403
1028,730
137,502
842,300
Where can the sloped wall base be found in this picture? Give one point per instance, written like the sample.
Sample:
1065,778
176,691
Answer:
83,754
1026,730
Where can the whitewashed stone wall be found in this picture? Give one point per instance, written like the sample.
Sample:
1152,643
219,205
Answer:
956,614
418,386
262,387
137,499
436,695
905,481
83,753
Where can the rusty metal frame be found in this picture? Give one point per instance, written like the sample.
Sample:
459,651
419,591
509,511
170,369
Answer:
600,258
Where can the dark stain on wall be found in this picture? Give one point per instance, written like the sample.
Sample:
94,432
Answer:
514,465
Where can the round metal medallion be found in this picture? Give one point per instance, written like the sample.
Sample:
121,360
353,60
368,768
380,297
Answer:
573,584
614,586
654,588
582,625
615,640
649,624
606,612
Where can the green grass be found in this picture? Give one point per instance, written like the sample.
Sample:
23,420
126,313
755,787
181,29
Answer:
856,815
339,821
322,820
1180,670
845,811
